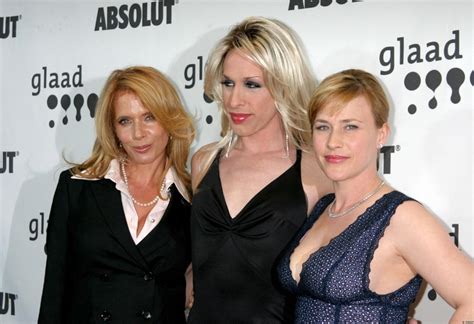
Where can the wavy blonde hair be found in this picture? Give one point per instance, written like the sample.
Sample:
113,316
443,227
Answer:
159,96
276,49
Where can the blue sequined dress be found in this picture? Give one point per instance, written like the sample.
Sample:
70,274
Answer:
334,281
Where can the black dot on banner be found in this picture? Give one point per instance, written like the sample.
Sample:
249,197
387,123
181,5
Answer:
65,102
341,1
432,294
412,81
433,80
325,3
472,78
52,102
51,123
78,102
412,109
91,103
209,119
206,98
455,79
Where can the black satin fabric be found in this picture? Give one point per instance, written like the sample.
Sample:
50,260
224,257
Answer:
234,260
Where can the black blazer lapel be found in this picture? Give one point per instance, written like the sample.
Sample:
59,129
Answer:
109,203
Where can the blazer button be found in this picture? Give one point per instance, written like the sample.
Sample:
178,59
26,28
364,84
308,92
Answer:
105,316
146,315
148,276
105,277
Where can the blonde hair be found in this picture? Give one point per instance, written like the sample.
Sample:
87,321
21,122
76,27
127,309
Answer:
340,88
276,49
159,96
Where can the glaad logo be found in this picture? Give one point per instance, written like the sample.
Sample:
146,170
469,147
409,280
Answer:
8,26
38,228
193,72
400,54
52,80
7,158
7,303
134,15
305,4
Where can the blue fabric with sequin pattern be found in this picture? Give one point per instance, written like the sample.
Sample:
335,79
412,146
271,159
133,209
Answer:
334,281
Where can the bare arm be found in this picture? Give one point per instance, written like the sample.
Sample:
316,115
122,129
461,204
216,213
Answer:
189,287
425,245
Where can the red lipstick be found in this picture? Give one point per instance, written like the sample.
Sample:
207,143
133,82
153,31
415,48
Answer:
238,118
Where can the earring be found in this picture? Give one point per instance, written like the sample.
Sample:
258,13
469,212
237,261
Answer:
171,137
120,145
287,146
229,146
379,146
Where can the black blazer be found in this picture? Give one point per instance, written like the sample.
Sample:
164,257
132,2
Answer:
94,270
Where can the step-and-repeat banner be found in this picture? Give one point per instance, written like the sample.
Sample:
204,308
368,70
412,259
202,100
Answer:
55,56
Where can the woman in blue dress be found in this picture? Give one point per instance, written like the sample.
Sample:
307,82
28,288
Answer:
362,253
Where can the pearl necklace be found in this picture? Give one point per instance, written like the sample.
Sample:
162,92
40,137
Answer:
150,203
332,214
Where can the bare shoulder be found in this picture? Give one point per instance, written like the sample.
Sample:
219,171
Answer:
411,221
412,214
315,182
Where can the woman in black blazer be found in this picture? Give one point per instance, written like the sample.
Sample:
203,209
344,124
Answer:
118,235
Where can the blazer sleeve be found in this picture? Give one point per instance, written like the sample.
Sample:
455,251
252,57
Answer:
52,308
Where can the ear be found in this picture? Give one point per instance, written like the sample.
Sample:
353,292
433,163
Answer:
383,134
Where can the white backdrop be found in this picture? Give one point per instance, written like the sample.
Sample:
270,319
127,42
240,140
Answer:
56,55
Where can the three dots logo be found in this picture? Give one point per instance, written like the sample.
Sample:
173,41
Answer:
454,78
78,103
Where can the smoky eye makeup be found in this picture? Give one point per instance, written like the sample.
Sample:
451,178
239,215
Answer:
252,84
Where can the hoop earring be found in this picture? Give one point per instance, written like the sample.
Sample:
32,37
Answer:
287,146
229,146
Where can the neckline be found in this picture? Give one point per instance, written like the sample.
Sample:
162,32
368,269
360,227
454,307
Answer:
254,197
313,218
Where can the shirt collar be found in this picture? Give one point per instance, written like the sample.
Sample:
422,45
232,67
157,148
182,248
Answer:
114,174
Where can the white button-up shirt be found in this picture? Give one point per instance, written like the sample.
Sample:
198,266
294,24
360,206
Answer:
131,216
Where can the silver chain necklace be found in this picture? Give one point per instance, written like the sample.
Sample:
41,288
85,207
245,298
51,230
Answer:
150,203
332,214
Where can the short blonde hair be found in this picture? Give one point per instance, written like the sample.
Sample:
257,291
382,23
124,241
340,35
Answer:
340,88
159,96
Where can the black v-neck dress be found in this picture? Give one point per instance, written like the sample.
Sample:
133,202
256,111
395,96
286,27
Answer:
234,259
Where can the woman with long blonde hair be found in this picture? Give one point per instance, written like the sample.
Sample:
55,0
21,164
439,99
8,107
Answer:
118,240
252,190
